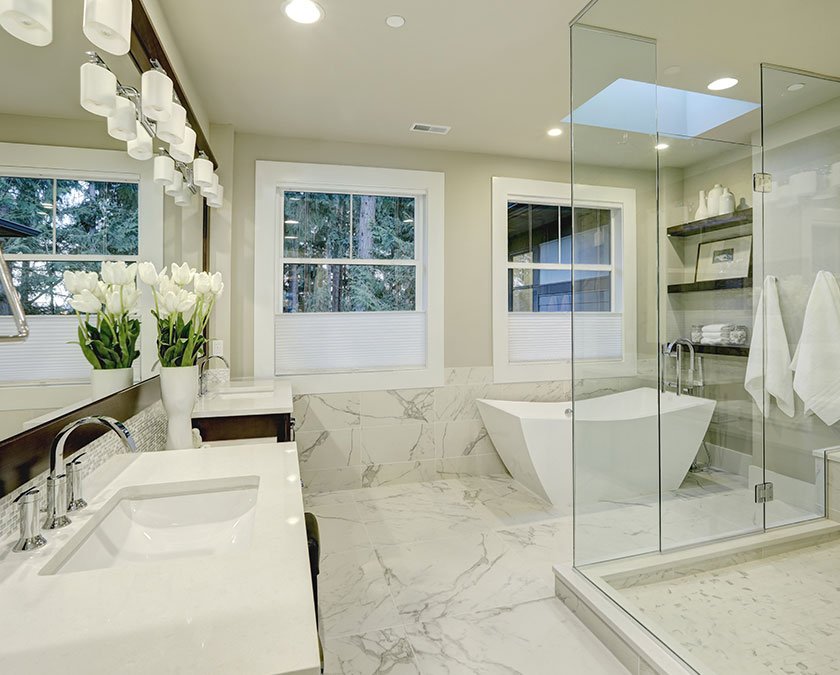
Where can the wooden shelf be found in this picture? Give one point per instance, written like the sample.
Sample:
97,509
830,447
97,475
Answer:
711,224
722,350
715,285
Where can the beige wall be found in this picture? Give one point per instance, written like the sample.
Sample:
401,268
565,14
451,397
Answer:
467,319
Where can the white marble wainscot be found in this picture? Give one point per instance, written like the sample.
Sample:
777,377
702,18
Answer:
148,427
372,438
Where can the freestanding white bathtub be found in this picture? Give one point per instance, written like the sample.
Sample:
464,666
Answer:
616,440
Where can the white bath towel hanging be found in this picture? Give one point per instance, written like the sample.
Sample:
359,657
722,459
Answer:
817,357
777,379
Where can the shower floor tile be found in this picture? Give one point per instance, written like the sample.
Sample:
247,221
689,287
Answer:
773,616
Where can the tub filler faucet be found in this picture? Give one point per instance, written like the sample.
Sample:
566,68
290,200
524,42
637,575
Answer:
668,350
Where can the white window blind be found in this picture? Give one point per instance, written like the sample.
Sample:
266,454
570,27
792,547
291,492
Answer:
348,342
45,354
535,337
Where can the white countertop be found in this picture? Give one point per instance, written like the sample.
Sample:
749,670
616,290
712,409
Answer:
245,397
245,613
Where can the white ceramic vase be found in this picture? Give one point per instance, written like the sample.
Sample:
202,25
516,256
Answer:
701,212
106,382
178,391
727,203
713,202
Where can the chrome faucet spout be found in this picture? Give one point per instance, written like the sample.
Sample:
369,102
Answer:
57,501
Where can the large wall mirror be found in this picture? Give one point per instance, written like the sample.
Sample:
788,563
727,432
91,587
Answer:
82,200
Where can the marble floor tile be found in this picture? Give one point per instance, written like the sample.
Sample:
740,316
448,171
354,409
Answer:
340,527
376,653
508,502
535,638
353,593
442,577
541,545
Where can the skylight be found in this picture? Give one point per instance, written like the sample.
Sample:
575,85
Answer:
629,105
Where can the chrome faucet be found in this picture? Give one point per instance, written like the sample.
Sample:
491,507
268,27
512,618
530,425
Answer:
57,499
202,371
667,350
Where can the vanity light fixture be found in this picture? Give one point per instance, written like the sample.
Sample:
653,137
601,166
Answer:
164,170
184,198
173,130
722,83
28,20
395,21
98,87
156,92
304,11
555,132
212,189
217,201
122,123
202,171
141,147
184,151
661,146
107,24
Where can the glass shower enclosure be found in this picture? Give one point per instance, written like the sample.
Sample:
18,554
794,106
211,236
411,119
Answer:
711,421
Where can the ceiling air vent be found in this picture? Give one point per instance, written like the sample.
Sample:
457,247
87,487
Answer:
430,128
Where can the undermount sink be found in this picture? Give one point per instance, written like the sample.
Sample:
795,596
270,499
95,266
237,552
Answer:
154,523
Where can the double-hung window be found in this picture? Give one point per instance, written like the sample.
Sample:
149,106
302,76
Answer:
551,260
353,285
82,217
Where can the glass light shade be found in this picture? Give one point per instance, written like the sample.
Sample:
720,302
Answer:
28,20
172,130
156,92
217,201
176,186
184,198
165,170
99,89
185,151
122,123
107,24
141,147
203,172
212,189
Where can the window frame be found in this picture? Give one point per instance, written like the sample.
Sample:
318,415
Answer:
623,283
67,163
271,179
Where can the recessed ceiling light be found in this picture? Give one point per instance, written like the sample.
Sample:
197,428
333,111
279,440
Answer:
395,21
722,83
556,131
672,70
796,86
661,146
304,11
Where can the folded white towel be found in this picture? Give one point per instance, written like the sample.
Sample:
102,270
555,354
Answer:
817,357
717,327
777,379
713,341
715,335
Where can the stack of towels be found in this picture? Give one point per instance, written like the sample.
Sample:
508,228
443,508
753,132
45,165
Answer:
717,334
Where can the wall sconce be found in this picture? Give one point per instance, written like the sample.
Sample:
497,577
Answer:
141,147
156,92
217,201
28,20
176,186
164,170
122,123
202,171
107,24
99,87
173,130
212,189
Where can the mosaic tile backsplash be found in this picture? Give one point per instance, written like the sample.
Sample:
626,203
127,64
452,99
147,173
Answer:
148,428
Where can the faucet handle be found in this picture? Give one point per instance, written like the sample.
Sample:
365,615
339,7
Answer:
75,500
30,535
56,503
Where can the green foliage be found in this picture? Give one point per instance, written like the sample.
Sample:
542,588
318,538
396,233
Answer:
359,227
178,343
107,345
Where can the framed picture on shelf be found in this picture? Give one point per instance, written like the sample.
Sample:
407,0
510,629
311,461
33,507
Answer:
724,259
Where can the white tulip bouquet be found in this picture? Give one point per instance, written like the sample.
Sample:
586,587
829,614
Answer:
184,300
105,304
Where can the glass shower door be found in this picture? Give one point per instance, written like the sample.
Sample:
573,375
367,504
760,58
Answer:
801,254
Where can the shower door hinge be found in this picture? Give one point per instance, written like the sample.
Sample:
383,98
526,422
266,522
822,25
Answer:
763,493
762,182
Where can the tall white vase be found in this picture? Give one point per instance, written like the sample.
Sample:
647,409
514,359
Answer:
713,201
701,212
178,391
106,382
